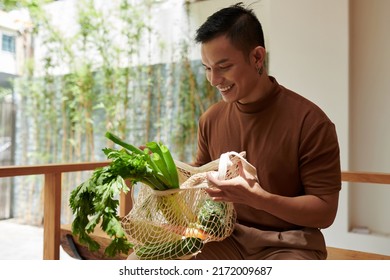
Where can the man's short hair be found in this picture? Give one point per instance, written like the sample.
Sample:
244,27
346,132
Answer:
239,24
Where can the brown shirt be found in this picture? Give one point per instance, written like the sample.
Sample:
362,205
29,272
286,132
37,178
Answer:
290,141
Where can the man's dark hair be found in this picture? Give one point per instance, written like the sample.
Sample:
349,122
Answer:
239,24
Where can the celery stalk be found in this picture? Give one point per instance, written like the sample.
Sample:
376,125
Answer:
172,170
125,145
165,163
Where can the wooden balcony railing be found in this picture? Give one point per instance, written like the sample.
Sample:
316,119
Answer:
52,195
52,198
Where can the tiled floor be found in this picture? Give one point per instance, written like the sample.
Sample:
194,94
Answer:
22,242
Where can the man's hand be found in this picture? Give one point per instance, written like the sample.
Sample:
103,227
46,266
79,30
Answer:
243,189
305,210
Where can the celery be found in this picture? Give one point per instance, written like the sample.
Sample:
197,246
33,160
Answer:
160,162
93,201
120,142
171,166
162,157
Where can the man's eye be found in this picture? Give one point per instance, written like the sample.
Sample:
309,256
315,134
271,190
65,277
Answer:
224,67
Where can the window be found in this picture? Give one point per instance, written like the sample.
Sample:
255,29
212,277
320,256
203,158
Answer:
8,43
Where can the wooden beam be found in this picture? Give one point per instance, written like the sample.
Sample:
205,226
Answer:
52,216
366,177
126,201
344,254
14,170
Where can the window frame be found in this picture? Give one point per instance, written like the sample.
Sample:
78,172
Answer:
8,43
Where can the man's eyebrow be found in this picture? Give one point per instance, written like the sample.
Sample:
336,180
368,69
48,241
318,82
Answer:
223,60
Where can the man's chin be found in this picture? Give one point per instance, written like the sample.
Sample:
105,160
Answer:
228,98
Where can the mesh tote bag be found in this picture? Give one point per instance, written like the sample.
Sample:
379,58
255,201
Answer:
175,224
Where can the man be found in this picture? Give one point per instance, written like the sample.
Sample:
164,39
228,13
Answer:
290,141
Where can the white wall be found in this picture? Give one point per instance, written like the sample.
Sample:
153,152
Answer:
7,62
201,10
311,53
370,111
8,27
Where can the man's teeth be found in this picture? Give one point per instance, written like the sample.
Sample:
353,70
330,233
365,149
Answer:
225,88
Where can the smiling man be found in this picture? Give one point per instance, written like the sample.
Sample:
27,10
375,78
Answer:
290,141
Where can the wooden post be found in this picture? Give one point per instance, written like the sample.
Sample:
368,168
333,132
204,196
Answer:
126,201
52,216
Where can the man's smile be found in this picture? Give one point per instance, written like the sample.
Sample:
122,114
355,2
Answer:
225,89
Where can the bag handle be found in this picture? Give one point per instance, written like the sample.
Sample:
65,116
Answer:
225,163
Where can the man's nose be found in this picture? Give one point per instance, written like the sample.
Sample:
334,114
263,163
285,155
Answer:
214,78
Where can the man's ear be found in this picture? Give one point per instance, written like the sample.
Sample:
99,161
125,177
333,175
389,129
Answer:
258,55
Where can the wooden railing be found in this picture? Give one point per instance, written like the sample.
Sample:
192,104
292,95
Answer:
52,195
52,198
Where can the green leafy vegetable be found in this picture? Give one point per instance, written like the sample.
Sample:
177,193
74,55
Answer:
94,201
212,217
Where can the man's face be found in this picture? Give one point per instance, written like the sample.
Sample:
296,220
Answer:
233,74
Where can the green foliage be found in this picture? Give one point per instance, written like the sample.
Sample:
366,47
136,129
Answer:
4,92
9,5
95,200
97,79
212,217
